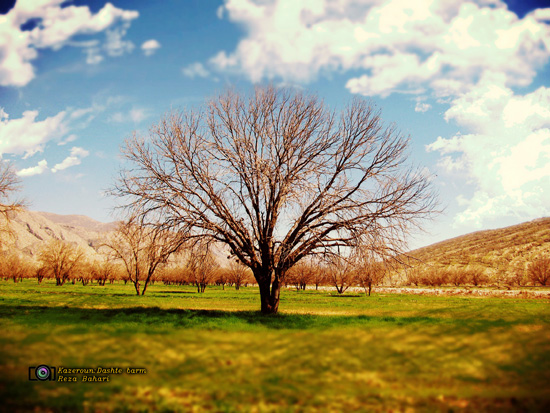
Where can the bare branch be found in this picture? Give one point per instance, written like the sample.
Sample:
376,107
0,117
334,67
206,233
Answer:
277,177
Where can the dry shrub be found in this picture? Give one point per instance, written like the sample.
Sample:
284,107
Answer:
340,272
40,273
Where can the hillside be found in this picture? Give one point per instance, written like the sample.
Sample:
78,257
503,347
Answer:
502,248
33,229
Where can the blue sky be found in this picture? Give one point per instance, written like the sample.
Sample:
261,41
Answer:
468,81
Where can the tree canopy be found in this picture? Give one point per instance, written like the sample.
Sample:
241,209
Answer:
277,176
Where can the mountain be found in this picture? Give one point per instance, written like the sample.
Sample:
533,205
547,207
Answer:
31,230
504,247
79,221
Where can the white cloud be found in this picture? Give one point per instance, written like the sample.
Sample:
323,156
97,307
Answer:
34,170
54,28
399,45
422,107
195,70
115,45
27,136
73,159
71,138
135,115
469,55
93,55
150,47
506,155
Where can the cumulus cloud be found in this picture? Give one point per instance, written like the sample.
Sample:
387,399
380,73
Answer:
195,69
506,154
75,158
398,45
34,170
26,136
150,47
471,55
32,25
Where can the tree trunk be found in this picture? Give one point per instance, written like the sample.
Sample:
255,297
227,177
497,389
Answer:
136,284
269,295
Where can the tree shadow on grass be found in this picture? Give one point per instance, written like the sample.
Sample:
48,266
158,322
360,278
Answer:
155,320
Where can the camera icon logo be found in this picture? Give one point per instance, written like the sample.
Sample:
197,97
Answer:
42,373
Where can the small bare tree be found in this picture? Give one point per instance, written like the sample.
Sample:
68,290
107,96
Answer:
13,266
103,271
539,271
142,249
201,265
340,272
300,275
277,177
370,273
60,259
238,274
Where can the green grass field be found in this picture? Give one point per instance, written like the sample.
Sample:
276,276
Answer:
215,352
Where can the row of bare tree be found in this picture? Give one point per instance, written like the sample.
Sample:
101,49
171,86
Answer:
537,272
138,262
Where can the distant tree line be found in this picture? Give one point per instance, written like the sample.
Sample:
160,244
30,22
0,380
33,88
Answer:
196,265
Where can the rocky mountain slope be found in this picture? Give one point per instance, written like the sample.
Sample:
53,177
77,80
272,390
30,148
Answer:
32,229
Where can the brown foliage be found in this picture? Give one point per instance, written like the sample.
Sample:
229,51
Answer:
370,273
104,270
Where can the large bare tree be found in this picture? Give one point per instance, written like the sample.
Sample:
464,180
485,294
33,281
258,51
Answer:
277,176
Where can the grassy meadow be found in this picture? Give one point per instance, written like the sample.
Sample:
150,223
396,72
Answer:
323,352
